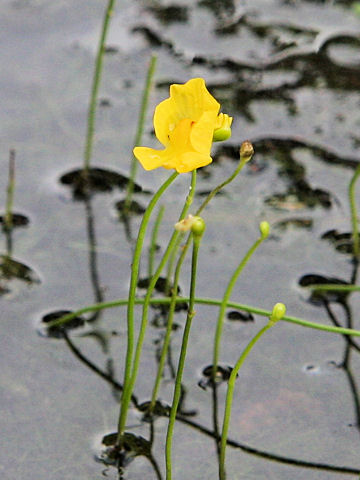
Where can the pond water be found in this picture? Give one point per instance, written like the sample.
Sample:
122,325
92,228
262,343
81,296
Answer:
289,73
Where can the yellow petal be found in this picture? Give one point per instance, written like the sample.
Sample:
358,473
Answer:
189,161
192,99
148,157
201,135
166,118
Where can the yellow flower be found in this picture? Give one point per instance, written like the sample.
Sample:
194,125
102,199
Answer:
185,124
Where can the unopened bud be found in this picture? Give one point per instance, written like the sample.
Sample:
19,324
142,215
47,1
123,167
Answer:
277,313
264,228
222,130
246,151
198,227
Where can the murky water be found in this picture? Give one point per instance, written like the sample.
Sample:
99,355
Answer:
288,71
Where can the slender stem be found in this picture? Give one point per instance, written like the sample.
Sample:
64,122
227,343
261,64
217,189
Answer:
154,279
8,219
224,303
334,287
140,130
221,186
353,211
229,399
180,370
202,301
131,304
170,321
172,306
153,243
95,86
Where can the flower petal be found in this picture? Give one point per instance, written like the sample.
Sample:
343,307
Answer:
192,99
166,118
148,157
189,161
201,135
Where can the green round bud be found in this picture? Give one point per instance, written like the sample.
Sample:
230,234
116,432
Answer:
264,228
198,226
278,312
221,134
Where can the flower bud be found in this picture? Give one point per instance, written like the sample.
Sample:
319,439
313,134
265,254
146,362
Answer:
222,129
198,226
246,151
193,223
278,313
264,228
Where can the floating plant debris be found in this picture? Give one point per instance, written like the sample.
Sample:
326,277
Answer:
342,242
294,222
133,446
97,180
58,331
12,269
319,296
159,410
18,220
237,316
223,373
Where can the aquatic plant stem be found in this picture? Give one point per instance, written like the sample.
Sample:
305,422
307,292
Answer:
180,369
153,242
353,212
246,153
170,320
8,219
95,87
140,130
131,304
154,279
226,298
229,398
202,301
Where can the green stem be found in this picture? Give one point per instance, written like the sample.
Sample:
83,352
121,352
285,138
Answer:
153,243
95,87
8,219
225,301
180,370
333,287
202,301
353,211
170,321
131,304
229,399
140,130
222,185
154,279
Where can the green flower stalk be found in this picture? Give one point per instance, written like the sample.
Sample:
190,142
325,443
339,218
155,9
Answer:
197,229
264,233
95,87
353,211
146,304
277,314
140,130
153,243
246,153
126,397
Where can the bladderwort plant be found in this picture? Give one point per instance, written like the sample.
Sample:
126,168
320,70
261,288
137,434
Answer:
186,124
277,314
